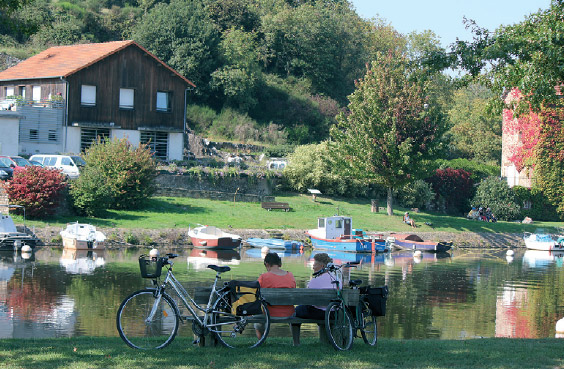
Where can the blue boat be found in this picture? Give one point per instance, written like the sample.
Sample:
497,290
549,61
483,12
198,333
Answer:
336,233
275,243
255,253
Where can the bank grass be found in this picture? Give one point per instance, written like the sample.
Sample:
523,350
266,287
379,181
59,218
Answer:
183,212
277,352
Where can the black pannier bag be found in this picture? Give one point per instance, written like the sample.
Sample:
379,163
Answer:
376,297
245,297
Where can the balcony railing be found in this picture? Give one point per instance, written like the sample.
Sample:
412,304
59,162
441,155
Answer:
17,103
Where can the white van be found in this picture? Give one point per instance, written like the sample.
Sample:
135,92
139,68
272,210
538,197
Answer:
69,164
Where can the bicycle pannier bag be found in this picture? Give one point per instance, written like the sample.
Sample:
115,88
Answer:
376,297
245,297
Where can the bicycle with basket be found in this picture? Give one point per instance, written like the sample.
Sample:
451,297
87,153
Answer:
150,318
343,322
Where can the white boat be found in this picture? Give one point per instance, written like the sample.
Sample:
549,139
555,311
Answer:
211,237
10,237
543,241
80,236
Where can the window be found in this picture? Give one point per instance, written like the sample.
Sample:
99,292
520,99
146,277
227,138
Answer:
163,101
36,92
9,91
33,134
157,141
88,96
52,135
66,161
22,91
50,161
321,223
90,135
126,97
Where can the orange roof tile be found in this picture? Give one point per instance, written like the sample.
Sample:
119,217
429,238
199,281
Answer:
62,61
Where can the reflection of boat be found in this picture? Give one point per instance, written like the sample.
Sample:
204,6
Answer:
256,253
347,257
79,236
200,258
274,243
541,258
81,261
336,233
409,257
10,238
213,237
543,241
416,243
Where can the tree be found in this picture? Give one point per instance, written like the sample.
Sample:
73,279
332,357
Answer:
527,55
393,128
182,35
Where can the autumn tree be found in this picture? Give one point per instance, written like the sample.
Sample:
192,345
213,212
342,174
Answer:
393,128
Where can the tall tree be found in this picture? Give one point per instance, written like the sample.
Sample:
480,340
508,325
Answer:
393,128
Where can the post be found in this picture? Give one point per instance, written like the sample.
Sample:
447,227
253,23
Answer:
374,206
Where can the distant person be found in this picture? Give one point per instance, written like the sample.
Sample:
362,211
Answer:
408,220
275,277
473,214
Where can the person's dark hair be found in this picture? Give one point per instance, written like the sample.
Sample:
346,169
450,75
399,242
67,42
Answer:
272,258
322,258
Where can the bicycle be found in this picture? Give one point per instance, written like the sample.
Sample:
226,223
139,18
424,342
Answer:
340,324
149,318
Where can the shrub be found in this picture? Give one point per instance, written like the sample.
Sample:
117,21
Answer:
541,208
39,190
116,176
496,194
478,171
454,187
416,195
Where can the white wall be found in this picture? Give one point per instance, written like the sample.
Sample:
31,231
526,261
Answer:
175,146
72,141
9,133
133,136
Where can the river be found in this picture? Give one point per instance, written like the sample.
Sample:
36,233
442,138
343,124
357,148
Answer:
464,294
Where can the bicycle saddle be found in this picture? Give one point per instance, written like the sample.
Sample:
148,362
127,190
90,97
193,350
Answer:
219,269
355,282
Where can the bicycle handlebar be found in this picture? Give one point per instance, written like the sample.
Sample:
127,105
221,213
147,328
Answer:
333,268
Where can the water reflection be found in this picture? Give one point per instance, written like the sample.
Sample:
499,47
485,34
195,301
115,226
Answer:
463,294
81,261
256,253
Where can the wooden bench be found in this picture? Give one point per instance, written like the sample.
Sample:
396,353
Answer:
275,205
294,296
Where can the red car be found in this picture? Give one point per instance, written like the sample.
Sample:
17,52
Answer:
15,161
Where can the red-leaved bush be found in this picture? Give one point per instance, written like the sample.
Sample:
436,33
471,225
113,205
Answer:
455,186
39,190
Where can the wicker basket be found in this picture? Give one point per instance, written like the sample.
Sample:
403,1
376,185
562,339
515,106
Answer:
150,267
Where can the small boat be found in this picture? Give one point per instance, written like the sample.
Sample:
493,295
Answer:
274,243
10,237
341,257
79,236
336,233
212,237
543,241
416,243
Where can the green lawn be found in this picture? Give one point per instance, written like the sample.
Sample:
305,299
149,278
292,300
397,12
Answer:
172,212
85,352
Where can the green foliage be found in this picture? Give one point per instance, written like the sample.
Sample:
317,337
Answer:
40,190
474,133
310,166
496,194
477,170
117,175
525,55
540,207
394,127
416,195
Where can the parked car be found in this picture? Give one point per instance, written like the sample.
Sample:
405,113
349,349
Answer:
68,164
36,163
6,170
17,161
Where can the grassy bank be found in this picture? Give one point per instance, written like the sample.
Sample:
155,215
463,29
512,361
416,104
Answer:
85,352
182,212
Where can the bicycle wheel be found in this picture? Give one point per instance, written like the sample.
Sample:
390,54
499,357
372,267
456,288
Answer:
238,331
139,330
369,328
338,325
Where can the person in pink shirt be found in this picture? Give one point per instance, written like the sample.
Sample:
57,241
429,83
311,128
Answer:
276,277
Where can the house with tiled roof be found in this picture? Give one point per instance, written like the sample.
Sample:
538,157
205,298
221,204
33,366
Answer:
66,97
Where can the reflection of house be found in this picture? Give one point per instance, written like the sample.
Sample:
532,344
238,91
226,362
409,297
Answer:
512,319
67,96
